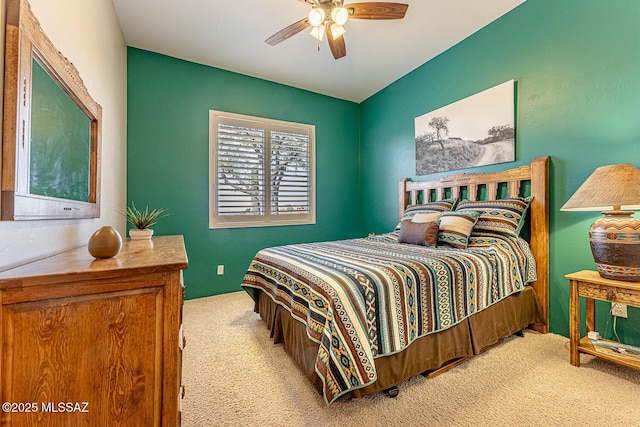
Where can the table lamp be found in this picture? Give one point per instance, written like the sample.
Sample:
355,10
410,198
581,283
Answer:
614,238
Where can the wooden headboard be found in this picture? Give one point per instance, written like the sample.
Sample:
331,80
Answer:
537,173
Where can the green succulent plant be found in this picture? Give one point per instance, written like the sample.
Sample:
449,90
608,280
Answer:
146,218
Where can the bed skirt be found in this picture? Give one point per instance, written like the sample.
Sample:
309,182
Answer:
428,353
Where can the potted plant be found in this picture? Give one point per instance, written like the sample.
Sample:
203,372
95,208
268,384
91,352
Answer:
143,220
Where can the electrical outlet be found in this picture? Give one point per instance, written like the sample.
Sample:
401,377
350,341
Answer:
221,272
619,310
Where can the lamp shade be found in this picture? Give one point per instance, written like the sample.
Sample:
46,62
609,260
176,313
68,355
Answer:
340,15
614,238
316,16
608,187
318,32
337,30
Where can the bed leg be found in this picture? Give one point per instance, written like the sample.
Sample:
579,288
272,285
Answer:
391,392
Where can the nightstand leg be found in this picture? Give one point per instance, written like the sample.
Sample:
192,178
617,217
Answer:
591,314
574,323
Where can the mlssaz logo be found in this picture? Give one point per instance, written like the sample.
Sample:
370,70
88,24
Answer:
65,407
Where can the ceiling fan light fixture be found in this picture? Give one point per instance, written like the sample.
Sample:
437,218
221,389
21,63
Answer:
316,16
318,32
340,15
330,17
337,30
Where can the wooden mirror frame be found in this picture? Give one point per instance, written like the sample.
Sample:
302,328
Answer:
26,41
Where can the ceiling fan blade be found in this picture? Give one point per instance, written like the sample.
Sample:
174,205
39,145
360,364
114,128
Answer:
377,10
285,33
337,46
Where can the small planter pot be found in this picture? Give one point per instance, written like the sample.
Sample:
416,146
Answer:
138,234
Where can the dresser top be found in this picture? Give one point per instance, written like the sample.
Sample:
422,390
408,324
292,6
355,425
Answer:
160,254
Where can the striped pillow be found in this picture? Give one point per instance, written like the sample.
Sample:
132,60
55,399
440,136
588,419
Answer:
456,227
439,206
426,217
505,216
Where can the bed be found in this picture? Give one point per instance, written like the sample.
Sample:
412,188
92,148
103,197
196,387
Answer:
363,315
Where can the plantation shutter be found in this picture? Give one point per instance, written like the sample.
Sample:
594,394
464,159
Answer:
240,171
290,172
261,172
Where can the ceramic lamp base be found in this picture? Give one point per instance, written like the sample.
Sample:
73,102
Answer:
615,243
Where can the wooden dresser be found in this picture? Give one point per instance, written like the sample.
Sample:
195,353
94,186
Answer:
94,342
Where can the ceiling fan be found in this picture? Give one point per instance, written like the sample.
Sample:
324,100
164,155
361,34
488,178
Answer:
330,16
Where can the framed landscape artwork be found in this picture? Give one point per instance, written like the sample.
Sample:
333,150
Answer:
475,131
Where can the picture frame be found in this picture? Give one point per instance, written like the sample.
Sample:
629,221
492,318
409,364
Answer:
51,128
475,131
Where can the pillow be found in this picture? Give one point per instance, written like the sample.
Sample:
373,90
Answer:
418,233
505,216
426,217
439,206
456,227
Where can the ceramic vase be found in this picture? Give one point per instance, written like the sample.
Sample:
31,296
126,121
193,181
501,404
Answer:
105,243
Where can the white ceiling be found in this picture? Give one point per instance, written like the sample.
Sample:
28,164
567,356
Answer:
230,34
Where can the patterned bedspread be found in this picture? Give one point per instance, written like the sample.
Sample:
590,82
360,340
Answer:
365,298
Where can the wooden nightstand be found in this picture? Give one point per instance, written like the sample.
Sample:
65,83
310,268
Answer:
590,285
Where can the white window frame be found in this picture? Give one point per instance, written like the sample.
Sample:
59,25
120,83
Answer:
267,218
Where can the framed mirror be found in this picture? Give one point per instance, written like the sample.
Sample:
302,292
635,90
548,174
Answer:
51,128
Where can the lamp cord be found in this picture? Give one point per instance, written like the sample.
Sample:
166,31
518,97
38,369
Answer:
615,324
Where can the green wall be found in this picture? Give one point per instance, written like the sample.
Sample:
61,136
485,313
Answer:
167,160
577,67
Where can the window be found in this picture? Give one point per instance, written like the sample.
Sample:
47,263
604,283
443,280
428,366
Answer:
262,172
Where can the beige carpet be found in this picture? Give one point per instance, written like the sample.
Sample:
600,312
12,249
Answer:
234,376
